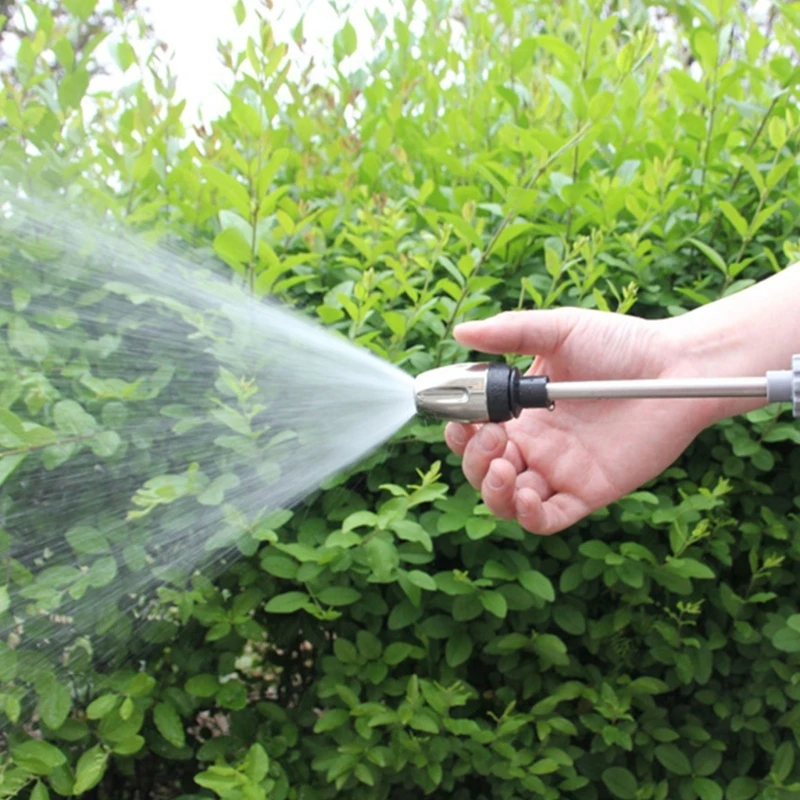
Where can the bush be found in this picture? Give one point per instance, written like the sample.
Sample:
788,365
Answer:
393,638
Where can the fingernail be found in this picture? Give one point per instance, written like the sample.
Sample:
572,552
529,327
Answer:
489,440
457,435
494,479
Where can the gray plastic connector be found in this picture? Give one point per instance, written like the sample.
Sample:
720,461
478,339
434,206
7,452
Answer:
783,386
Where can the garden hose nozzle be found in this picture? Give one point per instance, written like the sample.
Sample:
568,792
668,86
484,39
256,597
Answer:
483,392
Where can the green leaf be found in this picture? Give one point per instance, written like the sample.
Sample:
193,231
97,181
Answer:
625,58
55,702
40,792
204,685
777,132
169,724
458,649
551,648
620,782
129,746
140,685
72,88
706,761
594,549
279,566
102,572
397,652
214,493
359,519
422,579
80,8
706,46
673,759
90,769
124,55
734,217
71,418
256,764
648,685
783,762
569,619
87,541
369,645
707,789
349,39
559,48
495,603
537,584
126,709
287,603
230,189
8,464
331,720
741,789
27,341
787,639
690,568
338,596
102,706
231,246
510,233
345,651
522,201
711,254
220,779
37,757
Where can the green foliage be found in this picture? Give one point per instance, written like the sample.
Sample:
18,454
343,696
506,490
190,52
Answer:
394,639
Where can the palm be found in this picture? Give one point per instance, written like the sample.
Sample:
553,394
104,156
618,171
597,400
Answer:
585,454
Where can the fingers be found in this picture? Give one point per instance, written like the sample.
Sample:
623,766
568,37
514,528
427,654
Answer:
494,466
550,516
525,332
457,436
485,446
498,488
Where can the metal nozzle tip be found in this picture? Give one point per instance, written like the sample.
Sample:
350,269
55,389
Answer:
456,393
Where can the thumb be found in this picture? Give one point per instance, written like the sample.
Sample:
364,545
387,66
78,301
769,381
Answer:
524,332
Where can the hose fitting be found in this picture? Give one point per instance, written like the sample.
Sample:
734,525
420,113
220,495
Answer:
478,393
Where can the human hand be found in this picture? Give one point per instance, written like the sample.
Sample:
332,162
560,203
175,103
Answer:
550,469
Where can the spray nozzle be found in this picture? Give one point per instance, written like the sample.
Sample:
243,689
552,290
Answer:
478,392
497,392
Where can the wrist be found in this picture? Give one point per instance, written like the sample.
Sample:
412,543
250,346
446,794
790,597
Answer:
710,345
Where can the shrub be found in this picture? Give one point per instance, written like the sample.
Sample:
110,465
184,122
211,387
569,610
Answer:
392,637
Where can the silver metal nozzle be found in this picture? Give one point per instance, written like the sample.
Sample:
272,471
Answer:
496,392
456,393
478,392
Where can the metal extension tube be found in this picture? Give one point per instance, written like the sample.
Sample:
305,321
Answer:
649,389
485,392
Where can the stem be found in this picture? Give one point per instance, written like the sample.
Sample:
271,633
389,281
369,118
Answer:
709,131
750,146
565,148
584,73
23,450
761,200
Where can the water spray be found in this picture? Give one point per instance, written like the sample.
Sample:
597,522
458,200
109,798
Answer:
484,392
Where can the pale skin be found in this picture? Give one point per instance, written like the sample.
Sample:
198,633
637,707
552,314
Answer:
548,470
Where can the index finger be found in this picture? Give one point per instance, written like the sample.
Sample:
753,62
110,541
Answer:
458,435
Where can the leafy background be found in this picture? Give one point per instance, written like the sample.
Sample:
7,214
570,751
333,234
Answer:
394,638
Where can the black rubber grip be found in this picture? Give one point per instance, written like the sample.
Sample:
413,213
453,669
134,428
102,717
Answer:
499,381
532,392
